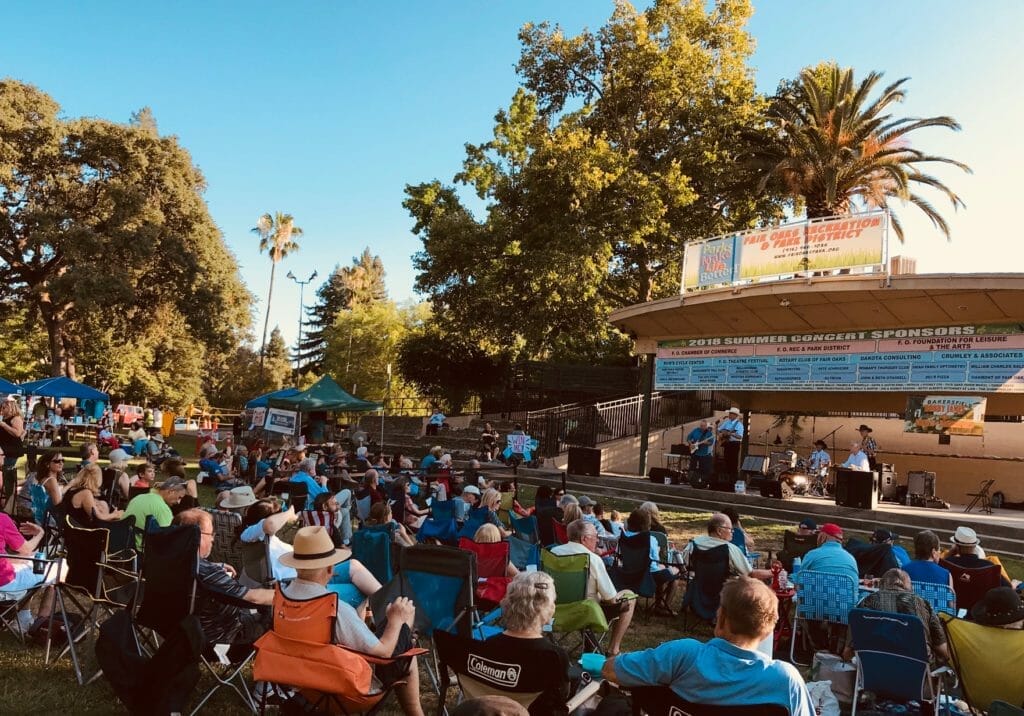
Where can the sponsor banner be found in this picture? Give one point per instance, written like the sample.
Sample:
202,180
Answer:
940,358
281,421
259,416
850,242
945,414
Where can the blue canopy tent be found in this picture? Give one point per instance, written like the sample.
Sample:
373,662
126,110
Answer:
7,386
62,387
261,401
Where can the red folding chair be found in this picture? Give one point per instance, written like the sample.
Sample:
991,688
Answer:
492,560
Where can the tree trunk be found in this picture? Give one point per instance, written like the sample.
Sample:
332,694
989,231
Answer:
54,321
266,321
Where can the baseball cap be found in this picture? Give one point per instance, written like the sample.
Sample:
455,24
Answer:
472,489
832,529
586,502
808,524
172,483
883,535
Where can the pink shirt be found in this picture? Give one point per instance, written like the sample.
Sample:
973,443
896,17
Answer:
10,539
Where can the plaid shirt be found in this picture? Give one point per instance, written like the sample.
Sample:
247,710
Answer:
869,446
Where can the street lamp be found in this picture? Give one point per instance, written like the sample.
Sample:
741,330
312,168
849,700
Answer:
302,308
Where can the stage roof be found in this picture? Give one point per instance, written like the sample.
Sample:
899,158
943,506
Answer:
828,303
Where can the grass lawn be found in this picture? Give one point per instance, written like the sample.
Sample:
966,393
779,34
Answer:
29,687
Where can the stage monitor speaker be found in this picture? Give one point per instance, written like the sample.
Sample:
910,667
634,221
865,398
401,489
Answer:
680,449
756,464
658,475
887,487
585,461
856,488
921,482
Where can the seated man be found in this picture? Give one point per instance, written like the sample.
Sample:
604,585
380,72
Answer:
896,595
884,536
314,485
470,499
807,526
728,670
967,553
583,540
719,533
924,567
313,559
858,459
587,507
224,607
156,504
829,555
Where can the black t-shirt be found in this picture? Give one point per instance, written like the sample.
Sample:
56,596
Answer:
552,699
12,446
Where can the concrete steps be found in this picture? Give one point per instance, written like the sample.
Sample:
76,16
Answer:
1001,533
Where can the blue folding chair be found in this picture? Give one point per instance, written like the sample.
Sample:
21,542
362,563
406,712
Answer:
892,658
632,568
940,596
441,524
372,547
525,528
709,569
822,597
478,516
523,553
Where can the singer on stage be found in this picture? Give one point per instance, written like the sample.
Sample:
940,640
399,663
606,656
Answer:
702,444
730,433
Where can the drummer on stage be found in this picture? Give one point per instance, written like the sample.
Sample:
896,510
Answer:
868,445
702,444
730,432
819,461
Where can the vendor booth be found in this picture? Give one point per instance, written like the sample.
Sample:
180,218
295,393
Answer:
307,413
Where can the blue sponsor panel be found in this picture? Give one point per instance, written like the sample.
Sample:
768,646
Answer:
940,373
893,358
833,373
883,373
789,374
709,374
745,371
671,373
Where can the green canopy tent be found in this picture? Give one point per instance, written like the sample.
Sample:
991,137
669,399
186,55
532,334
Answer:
325,395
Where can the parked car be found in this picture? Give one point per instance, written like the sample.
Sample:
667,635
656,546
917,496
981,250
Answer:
183,424
128,414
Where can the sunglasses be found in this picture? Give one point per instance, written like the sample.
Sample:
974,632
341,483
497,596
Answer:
60,460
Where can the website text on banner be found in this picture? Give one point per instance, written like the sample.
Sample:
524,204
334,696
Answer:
851,242
969,359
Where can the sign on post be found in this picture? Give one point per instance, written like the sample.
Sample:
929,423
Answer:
281,421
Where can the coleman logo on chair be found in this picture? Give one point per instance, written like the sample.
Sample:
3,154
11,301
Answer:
493,671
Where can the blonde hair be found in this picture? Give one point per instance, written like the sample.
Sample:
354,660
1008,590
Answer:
487,534
529,602
491,499
571,513
437,451
90,477
615,516
15,408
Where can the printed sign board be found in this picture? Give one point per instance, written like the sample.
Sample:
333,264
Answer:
945,414
281,421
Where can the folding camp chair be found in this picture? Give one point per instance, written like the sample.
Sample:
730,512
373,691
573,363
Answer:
559,532
663,701
363,505
986,659
440,525
523,553
821,597
13,602
632,567
298,495
525,528
971,585
981,498
940,596
97,583
892,658
574,613
484,668
256,571
227,548
508,500
492,560
300,652
372,547
169,595
794,545
441,582
872,558
477,518
709,570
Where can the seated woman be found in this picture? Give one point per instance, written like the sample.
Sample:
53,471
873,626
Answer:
262,521
49,475
413,516
489,534
652,509
380,515
664,577
83,499
371,488
491,501
528,605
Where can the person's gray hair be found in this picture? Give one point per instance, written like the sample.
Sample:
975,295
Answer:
529,602
717,521
895,579
578,528
650,508
568,500
308,465
368,476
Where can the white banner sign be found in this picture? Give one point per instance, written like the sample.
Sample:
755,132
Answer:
281,421
259,416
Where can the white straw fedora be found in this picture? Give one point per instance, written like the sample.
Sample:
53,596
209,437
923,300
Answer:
313,549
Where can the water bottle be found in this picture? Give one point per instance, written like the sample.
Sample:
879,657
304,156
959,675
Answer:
796,565
39,563
783,580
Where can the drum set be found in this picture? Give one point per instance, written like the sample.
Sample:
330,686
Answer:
795,476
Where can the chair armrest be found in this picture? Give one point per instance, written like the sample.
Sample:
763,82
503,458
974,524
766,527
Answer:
581,696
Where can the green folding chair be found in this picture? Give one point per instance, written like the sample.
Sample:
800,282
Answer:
574,613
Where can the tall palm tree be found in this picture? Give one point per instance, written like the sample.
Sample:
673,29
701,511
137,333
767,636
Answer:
834,149
277,237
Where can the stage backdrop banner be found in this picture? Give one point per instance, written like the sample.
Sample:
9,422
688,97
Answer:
849,243
940,359
945,414
281,421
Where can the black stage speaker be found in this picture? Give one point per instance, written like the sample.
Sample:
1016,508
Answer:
856,488
920,482
887,487
754,464
585,461
657,475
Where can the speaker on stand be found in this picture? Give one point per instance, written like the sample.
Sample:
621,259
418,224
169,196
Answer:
856,488
585,461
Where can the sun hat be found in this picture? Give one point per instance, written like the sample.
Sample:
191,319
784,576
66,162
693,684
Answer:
172,483
734,409
238,497
313,549
966,537
158,437
832,530
999,606
808,524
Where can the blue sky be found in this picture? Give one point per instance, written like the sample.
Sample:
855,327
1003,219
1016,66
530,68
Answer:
327,109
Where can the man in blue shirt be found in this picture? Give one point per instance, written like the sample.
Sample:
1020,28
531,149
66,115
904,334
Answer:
702,445
728,670
925,565
857,460
829,555
730,433
819,460
884,536
314,486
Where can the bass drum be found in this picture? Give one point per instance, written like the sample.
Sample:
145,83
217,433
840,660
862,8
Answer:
794,482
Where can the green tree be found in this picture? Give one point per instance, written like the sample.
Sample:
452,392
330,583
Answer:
360,284
621,145
277,237
453,369
24,345
103,233
832,147
243,382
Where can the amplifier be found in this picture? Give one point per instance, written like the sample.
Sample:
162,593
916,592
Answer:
887,487
785,458
757,464
856,488
584,461
921,482
664,476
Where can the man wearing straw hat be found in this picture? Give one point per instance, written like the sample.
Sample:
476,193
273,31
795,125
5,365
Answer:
730,435
313,558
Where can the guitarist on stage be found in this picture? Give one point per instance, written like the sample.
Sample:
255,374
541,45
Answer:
730,433
702,444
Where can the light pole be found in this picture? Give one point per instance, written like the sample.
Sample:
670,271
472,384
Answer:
302,308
